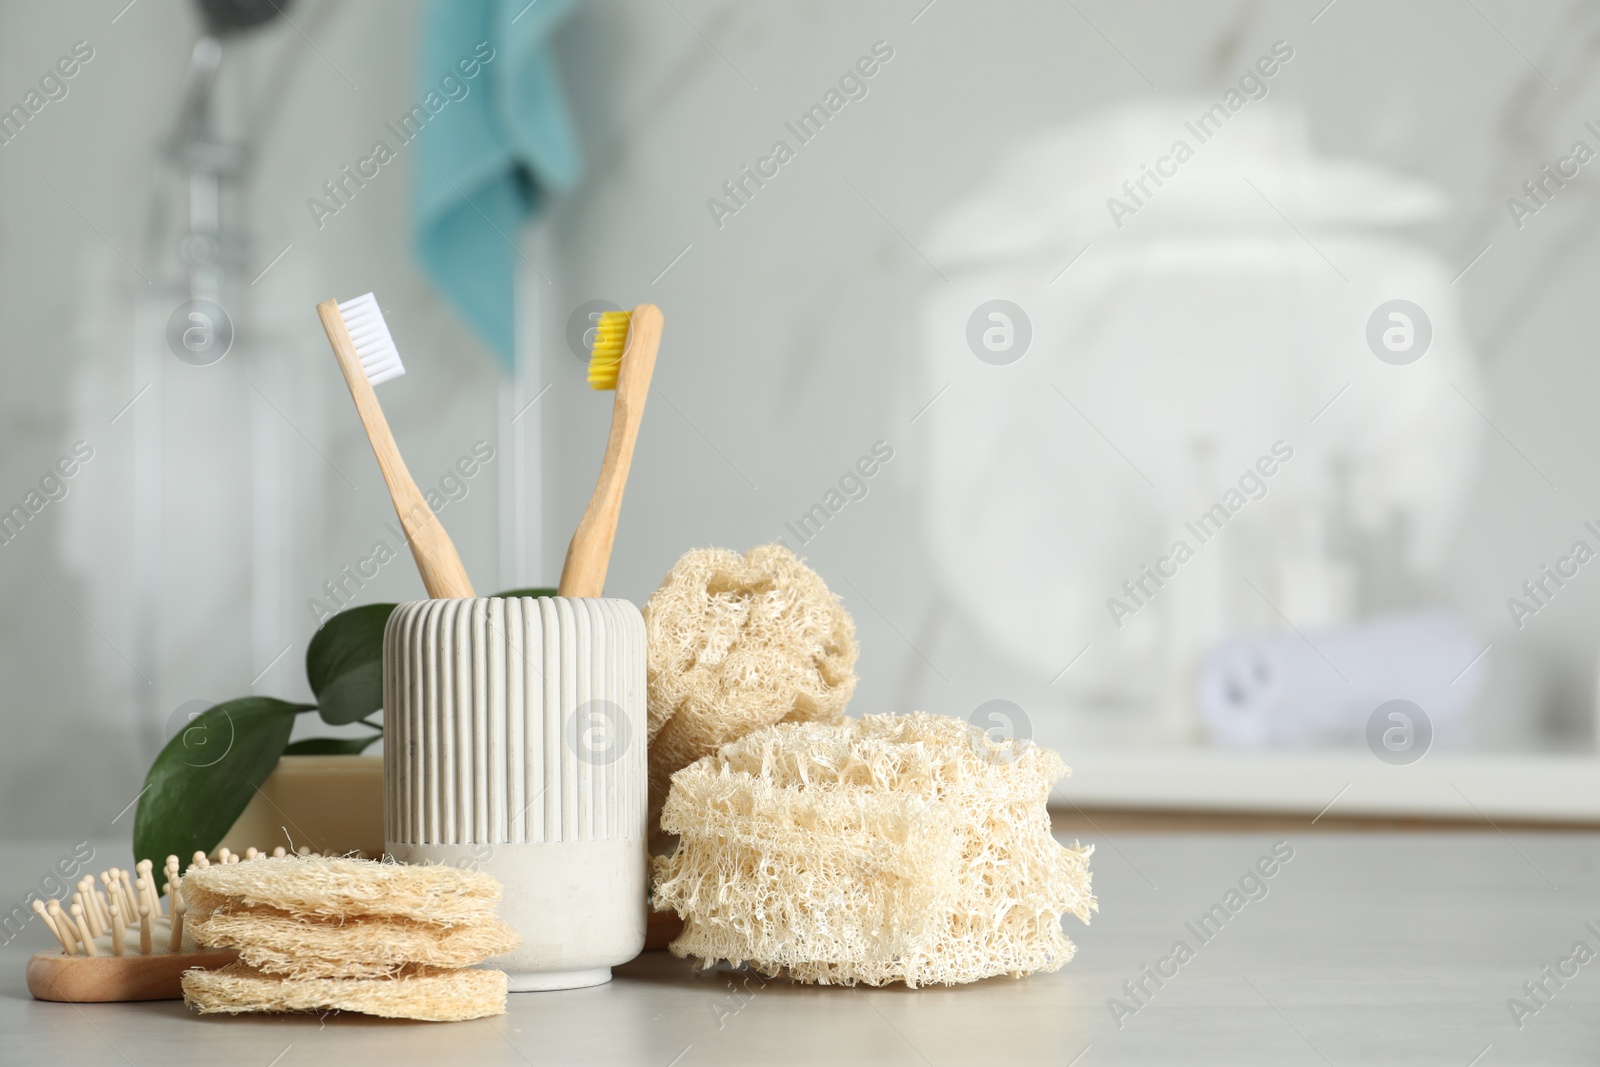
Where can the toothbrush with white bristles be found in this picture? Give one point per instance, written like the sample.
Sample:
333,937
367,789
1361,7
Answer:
367,356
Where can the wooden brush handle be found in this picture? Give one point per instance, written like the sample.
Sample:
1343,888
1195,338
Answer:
442,573
101,979
584,573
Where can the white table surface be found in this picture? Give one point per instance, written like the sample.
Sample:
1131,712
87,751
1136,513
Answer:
1367,949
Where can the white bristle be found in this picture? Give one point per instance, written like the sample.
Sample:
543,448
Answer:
370,334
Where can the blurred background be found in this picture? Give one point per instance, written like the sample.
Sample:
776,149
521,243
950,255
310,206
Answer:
1220,368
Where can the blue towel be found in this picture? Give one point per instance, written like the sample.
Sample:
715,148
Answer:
500,140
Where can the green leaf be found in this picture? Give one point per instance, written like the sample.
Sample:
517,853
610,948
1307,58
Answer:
526,592
331,746
206,775
344,663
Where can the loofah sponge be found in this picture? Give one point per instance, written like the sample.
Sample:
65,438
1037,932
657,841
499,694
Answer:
425,993
891,848
333,887
736,644
358,947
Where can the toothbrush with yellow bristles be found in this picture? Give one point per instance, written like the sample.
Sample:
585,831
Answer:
623,358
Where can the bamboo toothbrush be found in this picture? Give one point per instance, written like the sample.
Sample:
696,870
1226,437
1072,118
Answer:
623,358
368,357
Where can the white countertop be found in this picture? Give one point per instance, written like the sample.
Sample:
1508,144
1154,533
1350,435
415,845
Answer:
1509,786
1376,948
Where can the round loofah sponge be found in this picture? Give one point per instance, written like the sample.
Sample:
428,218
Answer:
738,643
891,848
363,946
426,993
334,887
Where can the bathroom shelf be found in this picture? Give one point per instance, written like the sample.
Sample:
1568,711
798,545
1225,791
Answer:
1453,785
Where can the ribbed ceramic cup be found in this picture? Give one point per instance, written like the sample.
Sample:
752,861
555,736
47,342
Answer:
514,743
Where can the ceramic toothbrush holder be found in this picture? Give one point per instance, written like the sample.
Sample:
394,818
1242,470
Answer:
514,743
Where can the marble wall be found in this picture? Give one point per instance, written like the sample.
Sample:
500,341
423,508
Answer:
219,498
797,335
797,325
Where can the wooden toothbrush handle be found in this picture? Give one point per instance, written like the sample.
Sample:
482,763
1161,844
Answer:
442,573
584,573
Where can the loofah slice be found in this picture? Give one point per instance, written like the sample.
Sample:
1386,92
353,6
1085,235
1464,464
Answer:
891,848
426,993
336,888
362,947
738,643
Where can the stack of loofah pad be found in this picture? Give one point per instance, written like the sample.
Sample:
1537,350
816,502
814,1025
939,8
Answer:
890,848
738,643
323,933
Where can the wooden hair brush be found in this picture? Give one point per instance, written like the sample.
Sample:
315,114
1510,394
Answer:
116,943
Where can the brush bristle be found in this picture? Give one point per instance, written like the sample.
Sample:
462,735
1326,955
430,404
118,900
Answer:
370,334
605,357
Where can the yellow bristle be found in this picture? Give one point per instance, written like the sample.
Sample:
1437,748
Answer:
610,338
